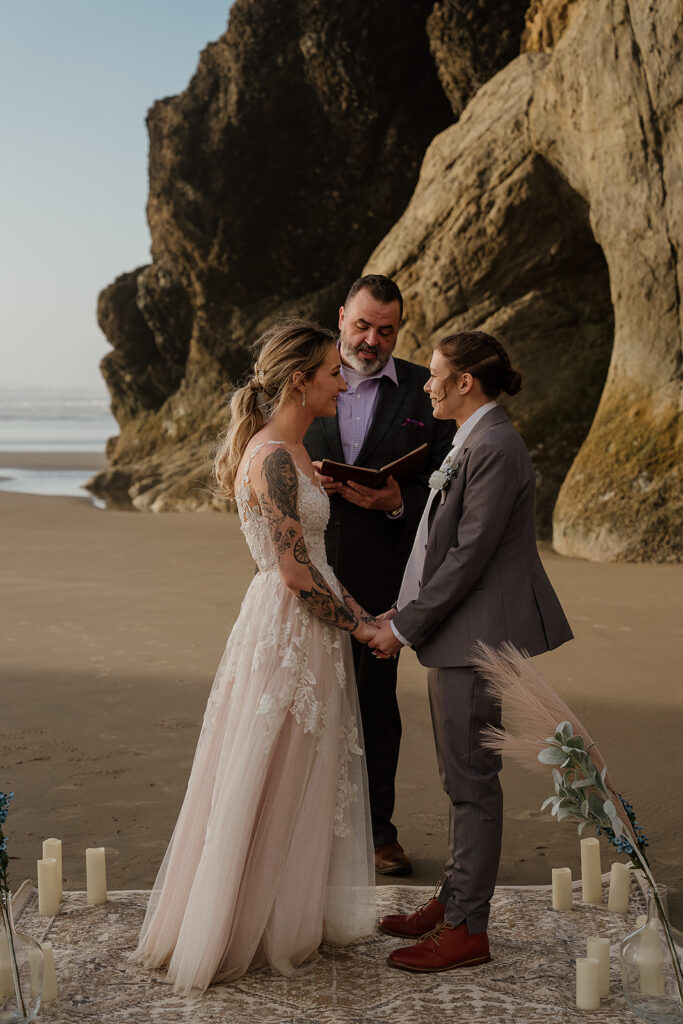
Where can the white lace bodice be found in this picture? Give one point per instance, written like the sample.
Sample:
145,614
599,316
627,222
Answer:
313,507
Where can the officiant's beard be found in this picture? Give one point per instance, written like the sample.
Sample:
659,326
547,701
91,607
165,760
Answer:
350,356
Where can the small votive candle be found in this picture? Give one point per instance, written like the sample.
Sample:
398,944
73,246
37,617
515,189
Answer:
591,882
598,949
587,983
96,875
53,848
619,884
562,889
49,974
48,887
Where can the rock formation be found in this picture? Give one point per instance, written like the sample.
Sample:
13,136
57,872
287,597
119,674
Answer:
548,210
555,199
272,177
293,150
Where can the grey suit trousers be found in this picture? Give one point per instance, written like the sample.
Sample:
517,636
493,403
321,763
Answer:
460,710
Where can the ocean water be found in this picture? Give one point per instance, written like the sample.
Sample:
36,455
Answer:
52,420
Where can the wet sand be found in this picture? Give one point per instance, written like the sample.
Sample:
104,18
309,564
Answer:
113,624
89,461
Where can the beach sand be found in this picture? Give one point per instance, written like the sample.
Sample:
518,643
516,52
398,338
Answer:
114,622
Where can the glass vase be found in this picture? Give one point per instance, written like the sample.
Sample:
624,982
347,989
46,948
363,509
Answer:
649,976
21,970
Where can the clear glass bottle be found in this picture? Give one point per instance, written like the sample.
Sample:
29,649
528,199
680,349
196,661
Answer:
648,974
21,970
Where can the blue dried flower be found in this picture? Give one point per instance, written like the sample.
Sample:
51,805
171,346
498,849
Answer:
4,858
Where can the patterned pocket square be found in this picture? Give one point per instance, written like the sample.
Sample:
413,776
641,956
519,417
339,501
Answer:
412,423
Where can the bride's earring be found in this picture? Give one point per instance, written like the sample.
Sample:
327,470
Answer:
303,398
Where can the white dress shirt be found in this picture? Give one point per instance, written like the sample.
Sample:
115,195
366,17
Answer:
410,585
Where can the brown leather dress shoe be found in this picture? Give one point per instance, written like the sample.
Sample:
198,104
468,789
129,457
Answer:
421,921
443,949
391,860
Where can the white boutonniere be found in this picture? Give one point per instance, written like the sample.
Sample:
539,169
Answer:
441,478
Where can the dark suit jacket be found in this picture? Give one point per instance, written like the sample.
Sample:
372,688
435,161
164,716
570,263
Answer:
482,577
367,550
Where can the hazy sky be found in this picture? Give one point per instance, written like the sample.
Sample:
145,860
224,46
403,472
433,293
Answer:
76,80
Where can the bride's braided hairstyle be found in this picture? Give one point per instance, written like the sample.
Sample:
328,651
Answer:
485,358
287,347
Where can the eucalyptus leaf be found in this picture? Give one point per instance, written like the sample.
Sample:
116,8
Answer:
583,824
564,813
575,742
550,800
585,809
582,783
565,728
609,809
551,755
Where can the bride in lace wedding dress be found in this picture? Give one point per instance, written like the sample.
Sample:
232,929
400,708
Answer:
272,852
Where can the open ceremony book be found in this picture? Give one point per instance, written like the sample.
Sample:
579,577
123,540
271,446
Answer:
400,468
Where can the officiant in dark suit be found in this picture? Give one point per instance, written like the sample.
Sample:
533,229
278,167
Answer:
383,415
474,575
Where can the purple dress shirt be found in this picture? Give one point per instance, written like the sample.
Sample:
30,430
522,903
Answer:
356,407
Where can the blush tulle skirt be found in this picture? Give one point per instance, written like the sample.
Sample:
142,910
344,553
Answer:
272,850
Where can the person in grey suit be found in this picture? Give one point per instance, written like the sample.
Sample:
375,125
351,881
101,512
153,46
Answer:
384,414
474,574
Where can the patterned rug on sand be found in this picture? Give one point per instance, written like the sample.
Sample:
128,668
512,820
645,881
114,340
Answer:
530,979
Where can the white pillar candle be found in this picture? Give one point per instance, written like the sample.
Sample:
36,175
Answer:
598,949
562,888
48,888
650,960
49,974
53,848
96,874
587,983
619,884
591,883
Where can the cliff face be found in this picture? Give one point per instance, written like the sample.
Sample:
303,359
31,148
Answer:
272,177
536,196
295,147
551,215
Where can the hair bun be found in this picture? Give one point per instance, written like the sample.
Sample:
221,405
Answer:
514,382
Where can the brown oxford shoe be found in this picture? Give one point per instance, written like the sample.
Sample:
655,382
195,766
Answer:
443,949
412,926
391,860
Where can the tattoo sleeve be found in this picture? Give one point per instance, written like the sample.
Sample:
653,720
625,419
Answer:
355,607
279,504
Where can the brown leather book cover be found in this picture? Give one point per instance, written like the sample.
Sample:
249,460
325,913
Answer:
407,465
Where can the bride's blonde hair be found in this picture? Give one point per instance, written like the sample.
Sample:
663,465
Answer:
287,347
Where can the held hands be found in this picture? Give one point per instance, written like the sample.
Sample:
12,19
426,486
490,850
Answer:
384,644
380,499
365,630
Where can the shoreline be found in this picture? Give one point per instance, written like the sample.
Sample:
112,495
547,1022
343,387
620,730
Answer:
115,625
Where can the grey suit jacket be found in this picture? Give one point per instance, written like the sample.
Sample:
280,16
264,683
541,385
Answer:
482,576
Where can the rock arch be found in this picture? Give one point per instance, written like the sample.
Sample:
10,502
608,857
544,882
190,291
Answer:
597,124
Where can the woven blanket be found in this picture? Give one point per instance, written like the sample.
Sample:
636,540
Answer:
530,980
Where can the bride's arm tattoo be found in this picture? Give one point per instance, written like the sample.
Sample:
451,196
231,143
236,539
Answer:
279,508
355,607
